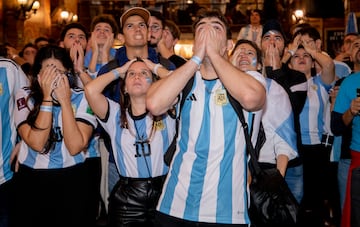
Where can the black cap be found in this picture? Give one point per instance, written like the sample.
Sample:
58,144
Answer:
273,25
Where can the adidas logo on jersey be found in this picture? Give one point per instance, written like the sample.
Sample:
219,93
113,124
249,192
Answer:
192,97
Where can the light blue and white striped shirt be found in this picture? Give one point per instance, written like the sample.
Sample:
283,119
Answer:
139,160
312,117
207,180
12,78
59,156
278,122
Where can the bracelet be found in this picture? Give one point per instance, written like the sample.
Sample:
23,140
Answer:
46,109
47,101
155,69
116,74
196,59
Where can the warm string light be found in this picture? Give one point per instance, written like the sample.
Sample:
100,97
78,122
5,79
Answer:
66,17
298,16
22,2
36,5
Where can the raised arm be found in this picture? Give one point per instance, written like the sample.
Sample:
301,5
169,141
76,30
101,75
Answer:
243,87
326,63
157,69
76,134
100,53
94,53
290,49
94,89
77,55
163,93
36,137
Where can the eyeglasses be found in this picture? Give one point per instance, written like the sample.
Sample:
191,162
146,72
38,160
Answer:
142,74
155,28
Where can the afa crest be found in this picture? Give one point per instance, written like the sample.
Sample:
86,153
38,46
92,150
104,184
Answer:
220,97
159,125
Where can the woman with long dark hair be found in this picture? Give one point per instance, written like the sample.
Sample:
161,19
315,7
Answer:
55,124
138,139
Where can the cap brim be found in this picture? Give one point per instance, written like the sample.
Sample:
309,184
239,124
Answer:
139,11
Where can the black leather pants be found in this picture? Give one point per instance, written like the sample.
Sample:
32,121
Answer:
133,201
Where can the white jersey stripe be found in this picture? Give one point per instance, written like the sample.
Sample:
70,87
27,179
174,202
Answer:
128,151
312,116
12,78
58,156
197,195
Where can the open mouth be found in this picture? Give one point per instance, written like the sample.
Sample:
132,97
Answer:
138,36
243,63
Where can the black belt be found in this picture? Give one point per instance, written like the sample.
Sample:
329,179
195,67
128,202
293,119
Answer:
137,181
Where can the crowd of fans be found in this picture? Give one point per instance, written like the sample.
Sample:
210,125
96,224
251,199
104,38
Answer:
85,126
